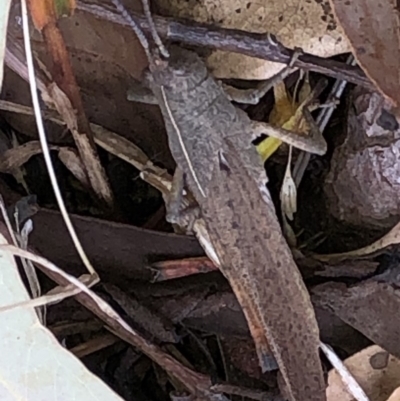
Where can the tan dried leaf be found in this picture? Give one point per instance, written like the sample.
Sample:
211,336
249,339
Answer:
16,157
395,395
371,27
306,24
377,372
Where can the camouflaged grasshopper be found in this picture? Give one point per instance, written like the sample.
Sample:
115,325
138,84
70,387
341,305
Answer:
210,140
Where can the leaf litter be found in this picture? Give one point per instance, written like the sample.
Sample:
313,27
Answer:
173,322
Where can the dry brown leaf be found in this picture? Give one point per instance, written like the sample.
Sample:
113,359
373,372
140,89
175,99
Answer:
67,98
370,306
375,370
306,24
362,187
371,27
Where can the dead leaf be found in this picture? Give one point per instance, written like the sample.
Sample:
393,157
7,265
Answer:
71,160
391,238
395,395
40,367
362,187
371,27
4,12
288,193
348,380
67,96
378,383
371,307
306,24
16,157
63,105
105,242
151,322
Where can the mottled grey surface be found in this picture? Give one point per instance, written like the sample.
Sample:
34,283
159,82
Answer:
260,267
204,116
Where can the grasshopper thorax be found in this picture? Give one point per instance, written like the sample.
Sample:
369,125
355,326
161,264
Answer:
182,71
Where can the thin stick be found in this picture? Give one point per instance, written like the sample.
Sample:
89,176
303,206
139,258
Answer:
233,40
44,144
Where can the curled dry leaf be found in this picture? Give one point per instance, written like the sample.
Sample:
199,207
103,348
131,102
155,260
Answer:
306,24
362,187
16,157
375,370
71,160
371,27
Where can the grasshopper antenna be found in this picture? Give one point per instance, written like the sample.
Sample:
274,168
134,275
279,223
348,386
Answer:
138,31
153,30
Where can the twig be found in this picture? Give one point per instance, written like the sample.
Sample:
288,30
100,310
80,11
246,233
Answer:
65,93
254,394
250,44
43,141
94,345
196,383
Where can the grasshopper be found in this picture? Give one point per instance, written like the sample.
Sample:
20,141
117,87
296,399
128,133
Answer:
202,126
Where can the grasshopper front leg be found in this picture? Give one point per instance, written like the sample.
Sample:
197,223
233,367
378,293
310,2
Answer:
141,94
176,213
314,143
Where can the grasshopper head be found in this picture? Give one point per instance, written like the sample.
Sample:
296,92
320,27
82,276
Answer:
182,71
